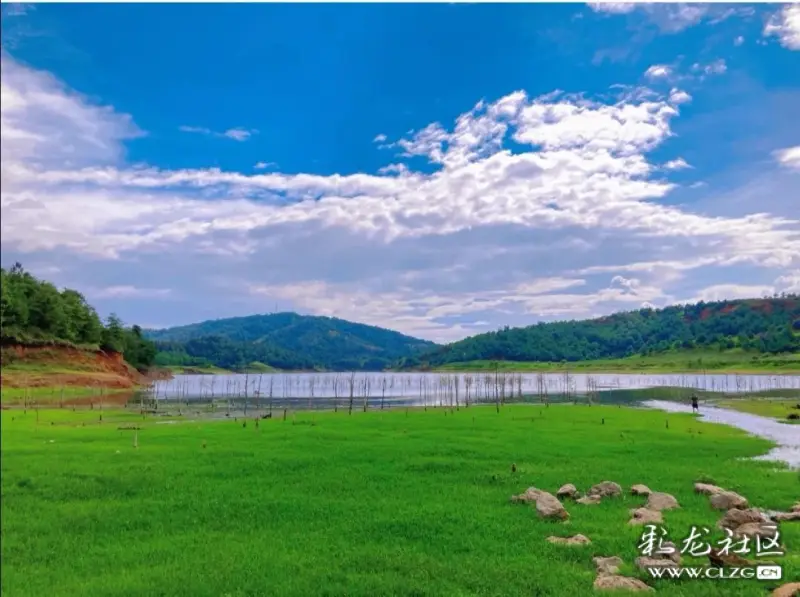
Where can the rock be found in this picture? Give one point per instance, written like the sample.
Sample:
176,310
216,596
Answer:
661,501
575,540
707,489
649,562
606,489
729,559
795,508
736,517
725,500
548,506
756,529
786,516
791,589
609,565
530,495
675,556
645,516
616,582
589,500
567,491
640,490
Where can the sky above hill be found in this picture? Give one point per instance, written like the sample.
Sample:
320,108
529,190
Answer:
441,170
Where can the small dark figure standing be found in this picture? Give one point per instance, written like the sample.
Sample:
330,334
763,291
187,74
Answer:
695,405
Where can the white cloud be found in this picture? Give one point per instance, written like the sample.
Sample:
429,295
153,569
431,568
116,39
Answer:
738,41
264,165
675,17
717,67
237,133
18,9
488,234
658,71
128,292
394,169
789,283
785,25
613,7
678,96
789,157
676,164
379,138
720,292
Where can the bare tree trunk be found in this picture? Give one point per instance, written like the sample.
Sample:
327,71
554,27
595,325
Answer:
367,384
352,382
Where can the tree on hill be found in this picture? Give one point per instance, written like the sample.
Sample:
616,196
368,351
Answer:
33,310
759,325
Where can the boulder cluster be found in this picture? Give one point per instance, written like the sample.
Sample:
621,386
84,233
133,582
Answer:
741,519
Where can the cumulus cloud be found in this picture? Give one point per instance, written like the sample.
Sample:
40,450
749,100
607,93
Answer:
785,25
789,157
678,96
486,234
676,164
658,71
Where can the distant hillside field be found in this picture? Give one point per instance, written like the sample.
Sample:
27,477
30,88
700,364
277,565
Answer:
769,326
284,341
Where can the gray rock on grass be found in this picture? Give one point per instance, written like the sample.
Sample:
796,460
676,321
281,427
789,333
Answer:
661,501
725,500
645,516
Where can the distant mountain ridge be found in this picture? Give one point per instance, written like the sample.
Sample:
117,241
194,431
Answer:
767,325
284,341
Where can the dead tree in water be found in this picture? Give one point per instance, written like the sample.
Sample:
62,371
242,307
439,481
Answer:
271,383
519,386
366,383
352,382
312,382
456,382
336,393
541,386
467,386
246,379
384,382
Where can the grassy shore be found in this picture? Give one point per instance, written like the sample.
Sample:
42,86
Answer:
54,395
779,409
678,362
383,503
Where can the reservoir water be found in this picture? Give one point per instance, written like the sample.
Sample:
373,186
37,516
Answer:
323,390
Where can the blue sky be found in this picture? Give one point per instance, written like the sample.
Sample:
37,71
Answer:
438,169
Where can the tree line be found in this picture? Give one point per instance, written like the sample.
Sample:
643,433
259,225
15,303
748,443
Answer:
769,325
34,311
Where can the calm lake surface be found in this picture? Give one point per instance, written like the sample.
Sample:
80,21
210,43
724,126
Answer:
324,390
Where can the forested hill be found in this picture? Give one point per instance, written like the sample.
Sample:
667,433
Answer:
284,341
770,325
34,312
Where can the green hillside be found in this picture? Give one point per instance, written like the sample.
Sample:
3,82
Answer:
769,326
284,341
34,313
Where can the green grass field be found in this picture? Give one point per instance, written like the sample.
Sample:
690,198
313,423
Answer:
382,503
733,361
53,395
